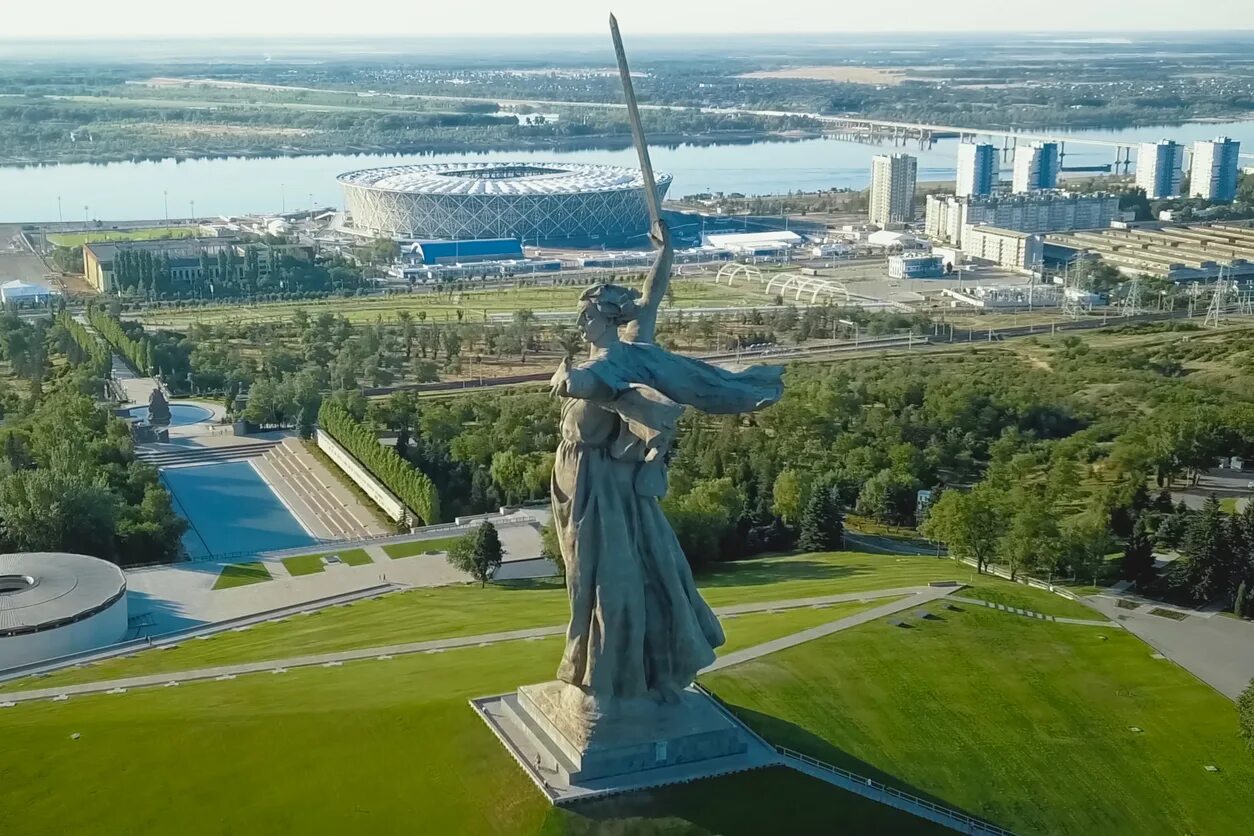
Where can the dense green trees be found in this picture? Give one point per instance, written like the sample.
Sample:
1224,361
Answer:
69,481
410,485
133,345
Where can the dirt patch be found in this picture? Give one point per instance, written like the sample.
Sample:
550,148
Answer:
211,130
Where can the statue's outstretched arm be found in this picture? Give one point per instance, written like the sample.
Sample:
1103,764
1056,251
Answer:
644,327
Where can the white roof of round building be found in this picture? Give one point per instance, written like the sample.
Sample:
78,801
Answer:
43,590
478,178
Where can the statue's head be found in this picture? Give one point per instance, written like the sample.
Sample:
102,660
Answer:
604,308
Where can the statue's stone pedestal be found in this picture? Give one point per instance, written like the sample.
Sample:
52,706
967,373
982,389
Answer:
650,745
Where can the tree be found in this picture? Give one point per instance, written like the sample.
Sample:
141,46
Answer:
970,524
477,553
822,525
787,495
1209,567
1245,711
1138,554
1032,539
890,497
1240,605
550,547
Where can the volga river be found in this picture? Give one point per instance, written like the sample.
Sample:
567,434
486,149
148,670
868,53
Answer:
231,186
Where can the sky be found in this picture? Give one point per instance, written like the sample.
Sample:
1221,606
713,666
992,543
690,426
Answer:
331,18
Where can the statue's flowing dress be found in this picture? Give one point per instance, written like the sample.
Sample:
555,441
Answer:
638,624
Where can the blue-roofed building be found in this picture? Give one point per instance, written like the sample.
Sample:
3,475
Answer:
467,252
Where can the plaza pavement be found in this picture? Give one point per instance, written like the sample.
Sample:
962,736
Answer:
1216,649
181,595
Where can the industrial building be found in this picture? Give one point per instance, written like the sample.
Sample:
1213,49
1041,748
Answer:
893,178
762,244
18,292
549,203
1040,211
916,266
1004,247
465,252
54,604
1036,167
1213,171
1179,252
187,259
977,169
1159,166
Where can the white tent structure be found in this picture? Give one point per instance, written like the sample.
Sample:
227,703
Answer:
18,291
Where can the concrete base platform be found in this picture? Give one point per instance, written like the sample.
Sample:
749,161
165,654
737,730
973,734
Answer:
696,739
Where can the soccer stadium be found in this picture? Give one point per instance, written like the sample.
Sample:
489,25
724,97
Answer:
560,203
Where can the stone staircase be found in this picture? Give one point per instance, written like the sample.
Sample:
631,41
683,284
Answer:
298,478
175,455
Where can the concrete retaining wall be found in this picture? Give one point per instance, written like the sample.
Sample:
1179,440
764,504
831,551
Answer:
384,498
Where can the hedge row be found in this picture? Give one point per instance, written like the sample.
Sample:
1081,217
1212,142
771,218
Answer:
91,353
135,351
410,485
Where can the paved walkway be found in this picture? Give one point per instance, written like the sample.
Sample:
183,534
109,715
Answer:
915,596
1216,649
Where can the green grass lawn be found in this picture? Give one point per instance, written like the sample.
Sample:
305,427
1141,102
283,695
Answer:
1022,722
466,609
75,239
417,547
1029,598
474,305
426,763
308,564
241,574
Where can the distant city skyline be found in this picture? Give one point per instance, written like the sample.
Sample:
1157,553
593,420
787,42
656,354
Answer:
329,18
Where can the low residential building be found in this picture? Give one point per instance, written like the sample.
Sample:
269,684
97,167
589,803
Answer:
1003,247
1041,211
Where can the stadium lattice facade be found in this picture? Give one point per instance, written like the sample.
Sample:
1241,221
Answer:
556,203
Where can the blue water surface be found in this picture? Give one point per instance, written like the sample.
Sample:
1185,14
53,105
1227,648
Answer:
230,510
181,414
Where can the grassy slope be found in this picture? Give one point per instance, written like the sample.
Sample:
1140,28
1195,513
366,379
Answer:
418,547
308,564
182,754
1027,598
1022,722
241,574
424,614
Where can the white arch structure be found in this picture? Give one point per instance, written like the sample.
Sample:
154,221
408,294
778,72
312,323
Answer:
733,270
814,285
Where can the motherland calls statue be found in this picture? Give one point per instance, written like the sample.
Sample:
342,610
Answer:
639,631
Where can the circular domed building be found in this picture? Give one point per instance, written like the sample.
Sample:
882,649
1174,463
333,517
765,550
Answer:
54,604
550,203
